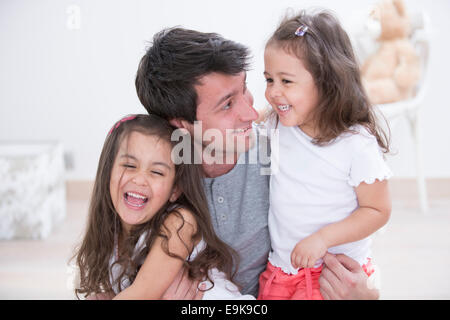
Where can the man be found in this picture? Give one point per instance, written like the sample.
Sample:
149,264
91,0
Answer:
188,76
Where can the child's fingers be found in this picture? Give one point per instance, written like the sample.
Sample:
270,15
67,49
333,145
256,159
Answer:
295,261
298,262
311,263
301,262
304,262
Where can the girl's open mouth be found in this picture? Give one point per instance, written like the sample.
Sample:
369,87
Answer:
283,109
135,200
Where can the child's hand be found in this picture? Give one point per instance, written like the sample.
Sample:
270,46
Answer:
263,114
308,251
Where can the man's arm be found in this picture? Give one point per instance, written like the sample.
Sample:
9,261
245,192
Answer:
101,296
343,278
182,288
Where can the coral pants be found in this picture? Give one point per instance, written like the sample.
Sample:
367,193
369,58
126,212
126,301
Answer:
274,284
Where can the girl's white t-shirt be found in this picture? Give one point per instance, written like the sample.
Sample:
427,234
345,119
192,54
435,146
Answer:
312,186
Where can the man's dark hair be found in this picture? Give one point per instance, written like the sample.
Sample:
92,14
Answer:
173,64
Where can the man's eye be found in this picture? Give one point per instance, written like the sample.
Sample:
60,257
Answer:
227,106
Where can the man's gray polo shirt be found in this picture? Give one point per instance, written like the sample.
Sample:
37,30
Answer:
239,204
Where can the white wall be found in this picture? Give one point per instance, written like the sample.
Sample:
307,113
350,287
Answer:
72,85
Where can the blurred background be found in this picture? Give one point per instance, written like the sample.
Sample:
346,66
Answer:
67,72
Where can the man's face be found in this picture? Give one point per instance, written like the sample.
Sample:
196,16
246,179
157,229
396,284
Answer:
225,105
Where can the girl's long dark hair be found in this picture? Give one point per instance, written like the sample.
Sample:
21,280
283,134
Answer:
94,253
328,55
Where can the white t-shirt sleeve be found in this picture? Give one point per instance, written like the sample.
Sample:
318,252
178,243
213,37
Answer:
367,164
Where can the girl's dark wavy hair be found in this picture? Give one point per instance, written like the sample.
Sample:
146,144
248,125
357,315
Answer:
94,253
328,55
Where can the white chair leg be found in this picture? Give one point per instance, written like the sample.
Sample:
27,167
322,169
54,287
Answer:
417,138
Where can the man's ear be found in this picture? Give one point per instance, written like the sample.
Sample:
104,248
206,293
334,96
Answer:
180,123
176,122
183,125
176,192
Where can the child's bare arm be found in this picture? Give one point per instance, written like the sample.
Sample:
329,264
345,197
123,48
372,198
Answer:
159,269
373,212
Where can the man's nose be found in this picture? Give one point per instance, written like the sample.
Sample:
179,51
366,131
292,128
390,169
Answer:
246,110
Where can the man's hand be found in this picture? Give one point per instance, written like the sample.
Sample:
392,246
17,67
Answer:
308,251
101,296
343,278
182,288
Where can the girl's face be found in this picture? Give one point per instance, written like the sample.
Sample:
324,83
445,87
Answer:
142,178
290,89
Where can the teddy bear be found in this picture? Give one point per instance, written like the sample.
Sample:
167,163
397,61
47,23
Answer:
393,71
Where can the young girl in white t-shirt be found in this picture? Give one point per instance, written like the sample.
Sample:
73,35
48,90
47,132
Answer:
328,189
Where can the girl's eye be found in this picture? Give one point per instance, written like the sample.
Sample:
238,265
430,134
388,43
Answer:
158,173
269,80
286,81
129,166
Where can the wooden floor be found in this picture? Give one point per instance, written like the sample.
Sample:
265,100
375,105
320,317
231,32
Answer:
412,251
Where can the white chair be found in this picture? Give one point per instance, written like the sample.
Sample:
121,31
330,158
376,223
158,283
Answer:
392,112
